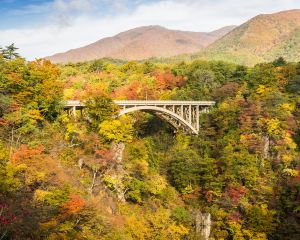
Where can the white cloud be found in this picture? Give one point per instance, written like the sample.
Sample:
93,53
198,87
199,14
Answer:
64,10
81,29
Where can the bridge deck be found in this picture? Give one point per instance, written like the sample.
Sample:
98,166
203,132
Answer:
73,103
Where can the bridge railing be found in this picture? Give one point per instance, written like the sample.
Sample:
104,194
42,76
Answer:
163,102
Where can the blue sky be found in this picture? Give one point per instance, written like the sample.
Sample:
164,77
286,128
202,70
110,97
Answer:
10,19
23,13
44,27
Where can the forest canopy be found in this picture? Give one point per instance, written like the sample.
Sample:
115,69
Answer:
104,177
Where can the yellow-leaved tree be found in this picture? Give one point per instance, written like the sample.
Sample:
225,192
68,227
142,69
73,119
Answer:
118,130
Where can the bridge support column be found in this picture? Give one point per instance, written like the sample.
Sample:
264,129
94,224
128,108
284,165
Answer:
181,111
197,118
74,112
190,114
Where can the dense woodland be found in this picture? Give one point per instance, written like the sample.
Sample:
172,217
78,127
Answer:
103,177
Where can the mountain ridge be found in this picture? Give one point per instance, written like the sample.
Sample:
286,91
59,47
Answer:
263,38
142,43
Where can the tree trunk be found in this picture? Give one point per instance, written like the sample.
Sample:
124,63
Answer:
93,182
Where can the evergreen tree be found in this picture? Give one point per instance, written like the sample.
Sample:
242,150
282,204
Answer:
279,62
9,52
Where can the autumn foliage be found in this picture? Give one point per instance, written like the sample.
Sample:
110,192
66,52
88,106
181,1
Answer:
101,176
73,206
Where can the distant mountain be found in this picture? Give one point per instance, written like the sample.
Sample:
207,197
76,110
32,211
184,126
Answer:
263,38
142,43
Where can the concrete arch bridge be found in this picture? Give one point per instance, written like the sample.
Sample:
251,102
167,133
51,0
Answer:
182,115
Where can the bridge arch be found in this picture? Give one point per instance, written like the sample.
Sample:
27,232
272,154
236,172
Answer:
164,112
180,114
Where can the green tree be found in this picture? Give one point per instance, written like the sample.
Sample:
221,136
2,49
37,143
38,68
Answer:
10,52
279,62
99,109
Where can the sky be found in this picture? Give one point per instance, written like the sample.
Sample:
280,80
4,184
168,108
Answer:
41,28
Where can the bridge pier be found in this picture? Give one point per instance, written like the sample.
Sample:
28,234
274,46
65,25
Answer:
74,111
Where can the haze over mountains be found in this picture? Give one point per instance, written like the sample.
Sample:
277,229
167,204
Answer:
262,38
142,43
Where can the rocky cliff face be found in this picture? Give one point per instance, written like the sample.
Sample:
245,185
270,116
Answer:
118,171
203,225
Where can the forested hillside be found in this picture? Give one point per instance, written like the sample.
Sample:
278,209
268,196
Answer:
261,39
103,177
